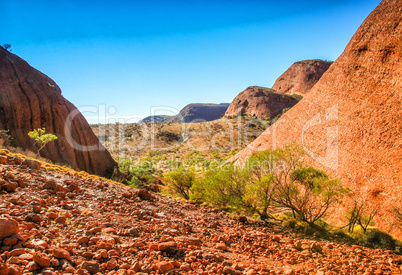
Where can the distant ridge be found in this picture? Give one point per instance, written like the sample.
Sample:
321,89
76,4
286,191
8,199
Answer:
155,119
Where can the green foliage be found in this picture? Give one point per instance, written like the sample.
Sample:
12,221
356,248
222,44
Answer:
139,174
141,178
223,187
41,138
269,180
309,193
181,181
215,154
279,180
259,196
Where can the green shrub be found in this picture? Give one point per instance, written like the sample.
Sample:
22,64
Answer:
137,174
279,180
180,181
223,187
308,192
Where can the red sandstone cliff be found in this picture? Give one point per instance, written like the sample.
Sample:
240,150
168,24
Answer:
350,122
30,100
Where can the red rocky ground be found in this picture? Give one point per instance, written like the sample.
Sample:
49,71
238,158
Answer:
60,223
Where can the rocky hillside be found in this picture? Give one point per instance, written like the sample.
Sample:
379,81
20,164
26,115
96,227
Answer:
301,76
155,119
350,122
30,100
261,103
67,223
200,112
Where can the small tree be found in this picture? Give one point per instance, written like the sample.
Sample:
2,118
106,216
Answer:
41,138
181,181
259,196
307,192
7,47
260,191
361,214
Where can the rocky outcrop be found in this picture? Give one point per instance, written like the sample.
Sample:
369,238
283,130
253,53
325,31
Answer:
30,100
200,112
261,103
301,76
350,122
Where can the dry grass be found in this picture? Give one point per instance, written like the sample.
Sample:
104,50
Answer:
214,139
48,166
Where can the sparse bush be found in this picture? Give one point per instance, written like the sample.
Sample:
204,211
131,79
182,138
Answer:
309,193
281,179
168,136
141,178
361,214
181,181
259,196
137,174
260,191
271,179
223,187
41,138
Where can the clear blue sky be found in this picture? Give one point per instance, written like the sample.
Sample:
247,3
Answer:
132,55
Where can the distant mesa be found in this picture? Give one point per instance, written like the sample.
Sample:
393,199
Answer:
200,112
350,121
155,119
30,100
301,77
261,103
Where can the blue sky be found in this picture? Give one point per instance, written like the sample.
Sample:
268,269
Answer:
128,57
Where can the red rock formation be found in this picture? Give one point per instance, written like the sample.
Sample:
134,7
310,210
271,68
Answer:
200,112
350,122
301,76
260,103
30,100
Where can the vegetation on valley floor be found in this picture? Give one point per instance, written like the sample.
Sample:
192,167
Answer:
273,186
